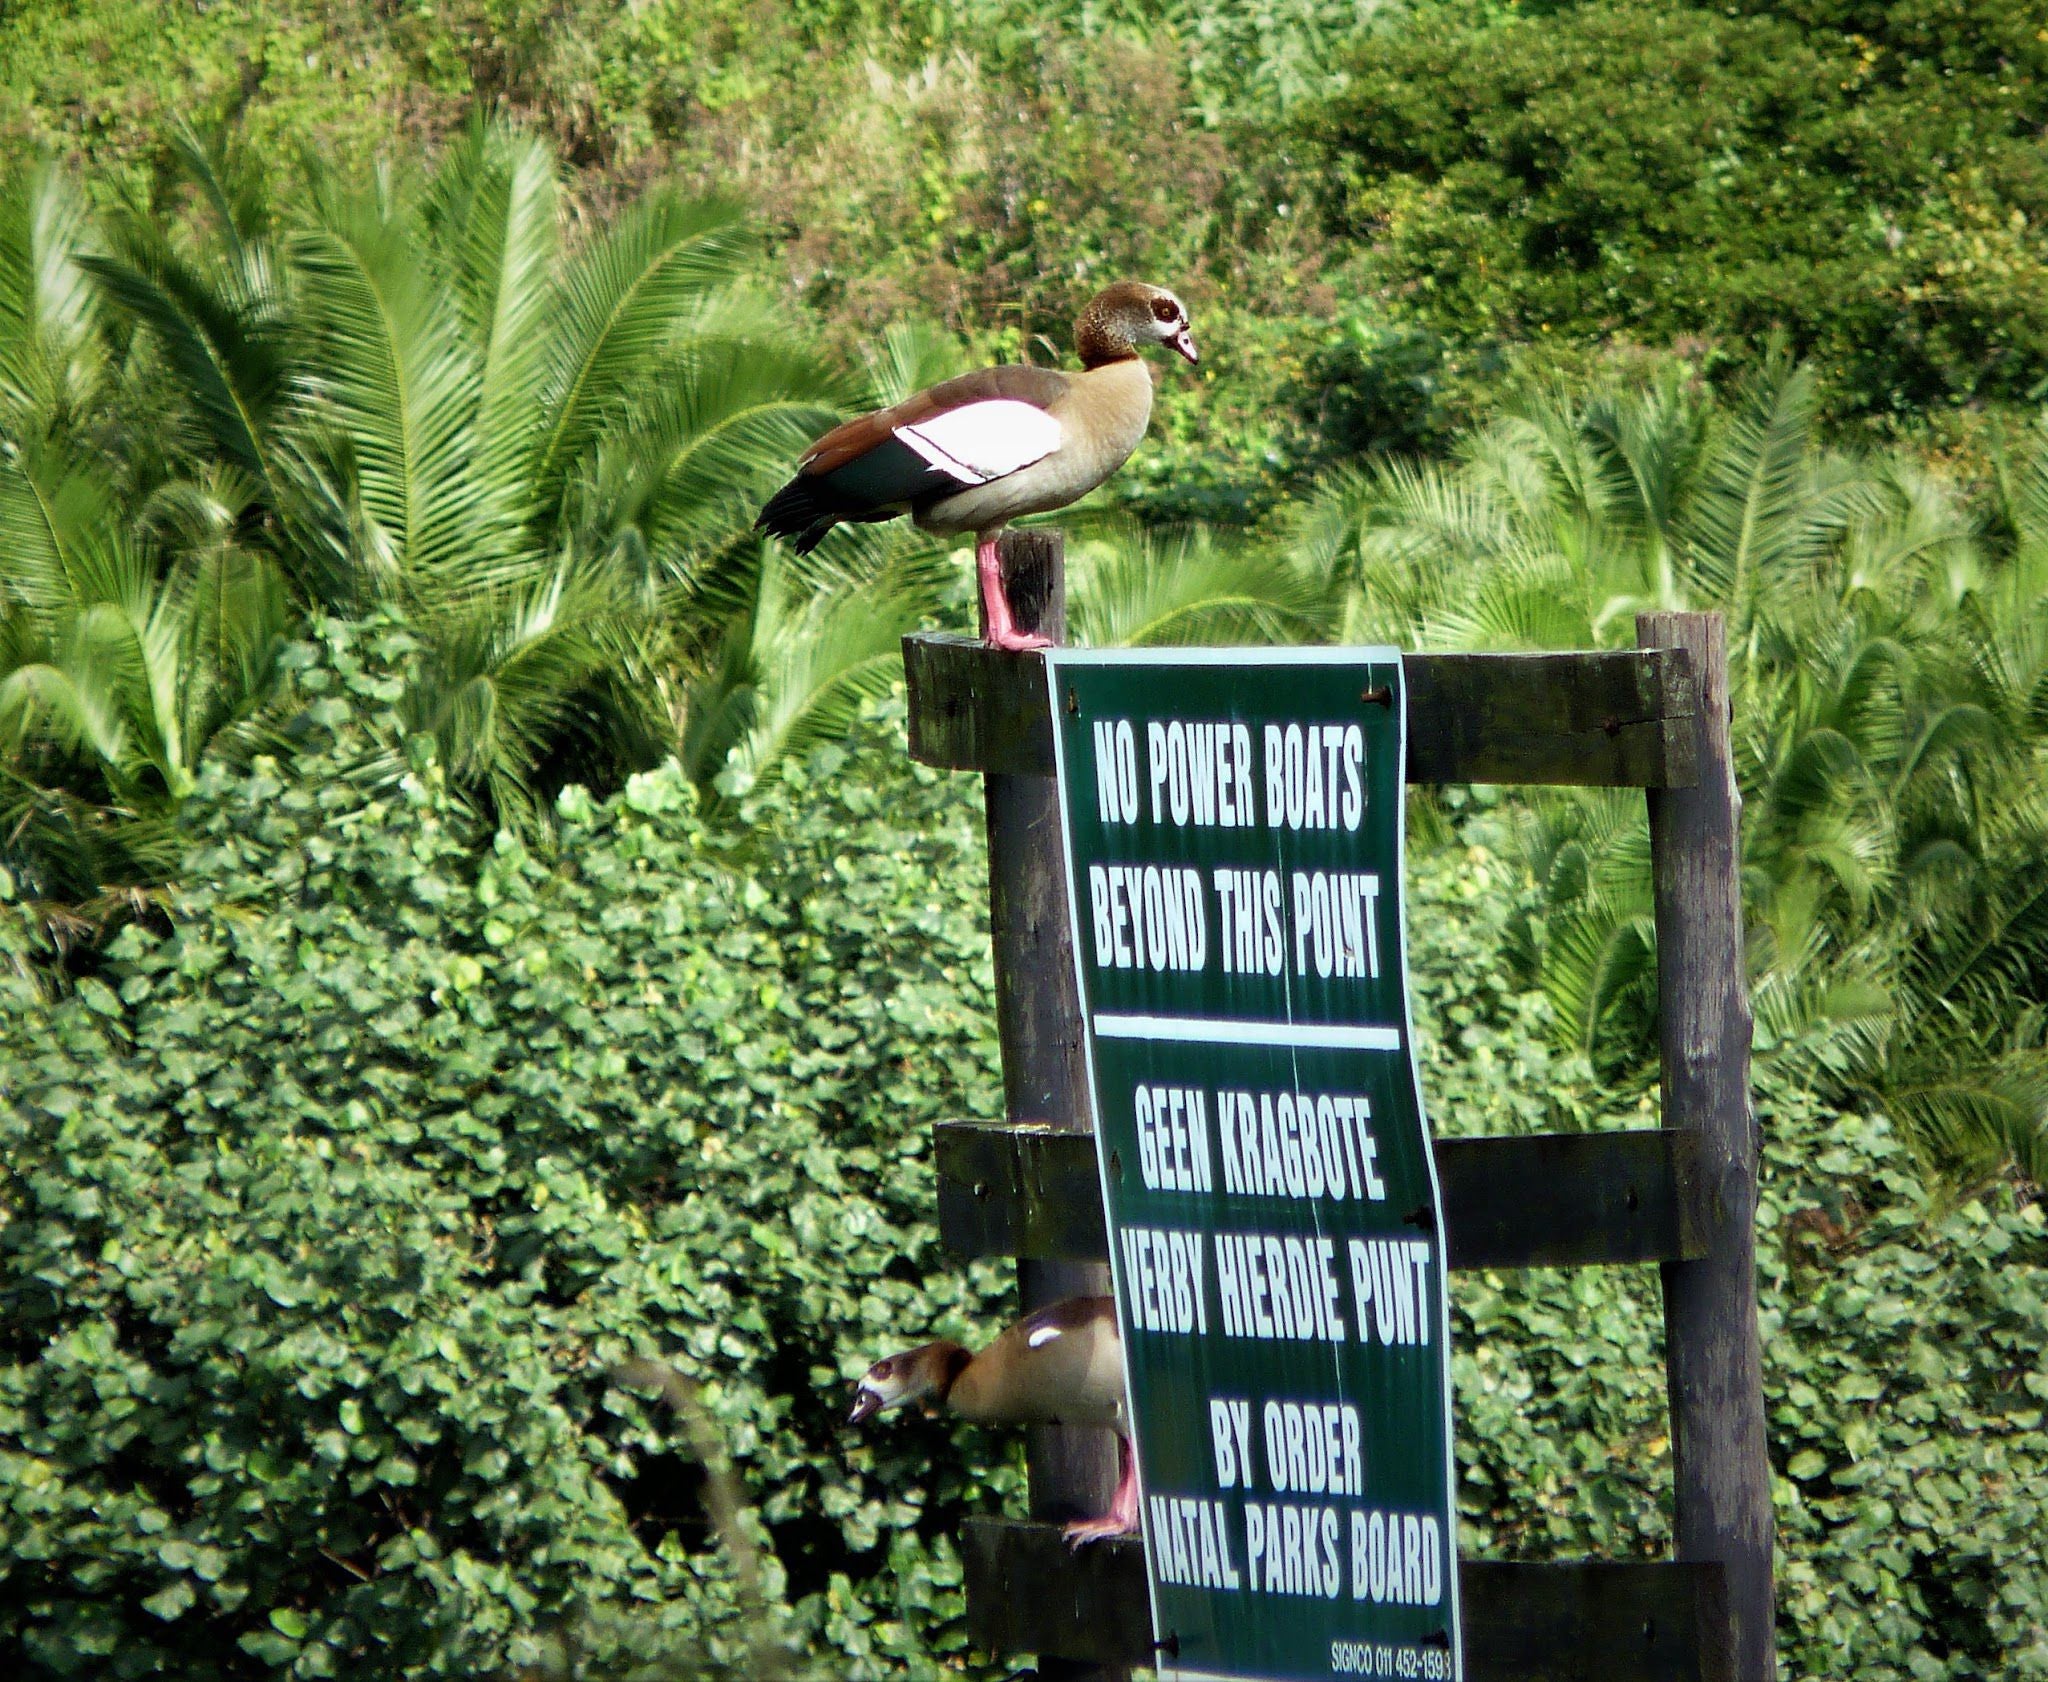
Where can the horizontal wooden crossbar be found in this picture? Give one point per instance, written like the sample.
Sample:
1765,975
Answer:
1621,718
1533,1200
1570,1621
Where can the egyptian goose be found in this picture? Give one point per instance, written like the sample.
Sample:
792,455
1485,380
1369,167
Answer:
976,452
1063,1365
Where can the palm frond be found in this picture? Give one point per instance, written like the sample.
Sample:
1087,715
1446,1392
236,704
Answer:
45,699
231,178
509,674
794,673
393,373
1982,1112
1528,597
625,301
64,848
60,542
51,359
1760,506
1652,443
222,325
2022,486
493,213
687,471
1134,586
910,356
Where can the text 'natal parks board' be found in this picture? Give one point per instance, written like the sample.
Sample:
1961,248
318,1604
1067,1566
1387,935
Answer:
1233,835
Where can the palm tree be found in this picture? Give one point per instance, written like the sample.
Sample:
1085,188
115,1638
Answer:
1891,739
529,446
126,643
537,440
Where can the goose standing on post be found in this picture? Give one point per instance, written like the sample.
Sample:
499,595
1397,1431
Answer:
1062,1365
976,452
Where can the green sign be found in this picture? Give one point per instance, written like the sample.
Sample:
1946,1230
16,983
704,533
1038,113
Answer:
1233,835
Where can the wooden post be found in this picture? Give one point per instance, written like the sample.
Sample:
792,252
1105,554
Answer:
1684,1195
1713,1361
1038,1022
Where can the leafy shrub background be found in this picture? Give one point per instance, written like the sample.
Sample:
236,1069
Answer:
1904,1386
1866,179
327,1205
328,1198
331,1193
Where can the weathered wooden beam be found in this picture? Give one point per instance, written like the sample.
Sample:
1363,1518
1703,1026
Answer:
1038,1026
1713,1359
976,708
1535,1200
1620,718
1571,1199
1566,1621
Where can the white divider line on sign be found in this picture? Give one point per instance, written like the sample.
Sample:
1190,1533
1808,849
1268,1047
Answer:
1211,1030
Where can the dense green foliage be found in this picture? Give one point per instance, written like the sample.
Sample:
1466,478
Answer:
331,1197
414,397
544,445
329,1201
384,654
987,165
1380,211
1867,179
1903,1385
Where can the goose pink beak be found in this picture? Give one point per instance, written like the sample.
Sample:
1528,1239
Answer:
1184,342
866,1402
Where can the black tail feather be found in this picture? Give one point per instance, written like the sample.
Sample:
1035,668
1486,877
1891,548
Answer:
798,514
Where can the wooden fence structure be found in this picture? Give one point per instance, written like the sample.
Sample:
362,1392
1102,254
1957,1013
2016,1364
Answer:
1682,1195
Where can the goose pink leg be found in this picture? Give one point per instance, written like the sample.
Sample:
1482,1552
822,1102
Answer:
995,604
1122,1517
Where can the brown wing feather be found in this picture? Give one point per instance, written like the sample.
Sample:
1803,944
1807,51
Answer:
1019,383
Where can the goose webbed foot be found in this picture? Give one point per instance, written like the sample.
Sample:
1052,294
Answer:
995,603
1122,1517
1105,1529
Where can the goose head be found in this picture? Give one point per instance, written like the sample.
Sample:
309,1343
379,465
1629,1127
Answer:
924,1374
1129,314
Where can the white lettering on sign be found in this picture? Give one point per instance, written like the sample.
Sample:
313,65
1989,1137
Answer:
1116,771
1279,1286
1390,1277
1313,776
1200,774
1230,1430
1292,1550
1147,916
1336,924
1242,855
1163,1280
1173,1138
1314,1448
1248,915
1287,1144
1191,1543
1396,1557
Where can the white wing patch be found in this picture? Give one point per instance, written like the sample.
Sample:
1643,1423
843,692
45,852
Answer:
1044,1334
978,442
